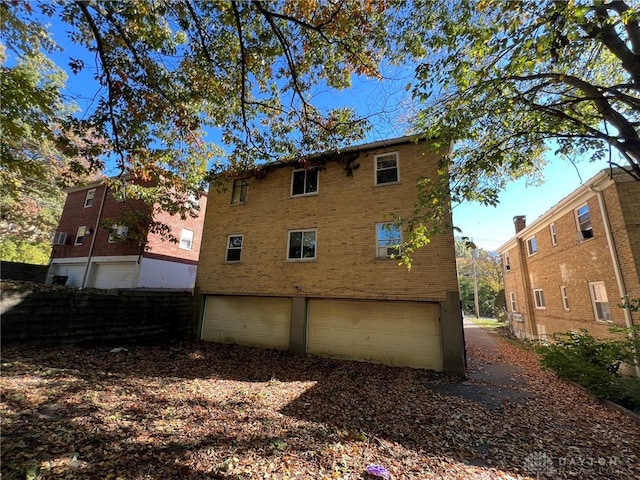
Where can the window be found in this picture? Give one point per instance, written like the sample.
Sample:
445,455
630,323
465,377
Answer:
304,182
80,235
565,298
532,246
60,238
387,168
186,239
507,261
554,234
583,219
302,245
88,200
118,232
600,301
239,194
538,295
234,248
512,298
388,240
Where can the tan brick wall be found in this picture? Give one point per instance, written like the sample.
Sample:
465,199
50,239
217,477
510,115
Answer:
573,263
345,213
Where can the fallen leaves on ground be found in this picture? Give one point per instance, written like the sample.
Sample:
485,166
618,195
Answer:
198,411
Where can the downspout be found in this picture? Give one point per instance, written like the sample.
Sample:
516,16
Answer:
93,237
615,261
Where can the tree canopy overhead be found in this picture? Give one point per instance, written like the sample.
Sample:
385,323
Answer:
511,79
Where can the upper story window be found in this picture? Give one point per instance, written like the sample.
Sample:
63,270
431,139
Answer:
538,296
554,234
507,261
302,245
600,301
118,232
304,182
239,193
388,240
532,246
234,248
186,239
583,220
565,297
80,235
387,168
88,200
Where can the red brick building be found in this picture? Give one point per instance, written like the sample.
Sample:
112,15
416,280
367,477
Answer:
573,266
92,255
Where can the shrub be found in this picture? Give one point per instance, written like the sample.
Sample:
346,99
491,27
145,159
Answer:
595,364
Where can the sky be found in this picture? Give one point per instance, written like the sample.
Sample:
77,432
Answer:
389,106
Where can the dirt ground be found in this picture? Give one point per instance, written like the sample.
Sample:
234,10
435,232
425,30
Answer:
198,411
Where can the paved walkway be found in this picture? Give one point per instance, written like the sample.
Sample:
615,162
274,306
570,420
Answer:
490,380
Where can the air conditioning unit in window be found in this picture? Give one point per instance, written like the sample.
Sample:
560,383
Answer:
60,238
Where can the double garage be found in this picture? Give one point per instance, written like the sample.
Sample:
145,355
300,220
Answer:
100,275
402,333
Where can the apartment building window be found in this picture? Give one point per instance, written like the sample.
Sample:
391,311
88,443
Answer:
239,193
538,296
80,235
304,182
507,261
387,168
88,200
388,240
583,220
532,245
234,248
600,301
554,234
302,245
565,297
186,239
512,298
118,232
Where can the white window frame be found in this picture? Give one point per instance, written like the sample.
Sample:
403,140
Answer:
581,233
82,231
376,169
302,258
532,246
554,234
512,301
598,294
88,200
306,174
507,261
565,297
538,298
240,185
186,239
118,232
60,238
231,248
383,248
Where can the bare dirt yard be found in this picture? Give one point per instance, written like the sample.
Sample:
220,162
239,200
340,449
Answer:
207,411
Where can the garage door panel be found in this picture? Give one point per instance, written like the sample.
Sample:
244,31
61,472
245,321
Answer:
253,321
394,333
114,275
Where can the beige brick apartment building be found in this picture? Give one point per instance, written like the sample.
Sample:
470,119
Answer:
573,266
296,256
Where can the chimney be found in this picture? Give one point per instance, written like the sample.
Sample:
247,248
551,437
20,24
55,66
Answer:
520,222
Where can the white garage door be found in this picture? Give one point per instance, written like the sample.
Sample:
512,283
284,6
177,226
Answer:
115,275
74,272
254,321
392,333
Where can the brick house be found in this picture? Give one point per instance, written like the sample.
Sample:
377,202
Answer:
297,257
93,256
571,268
